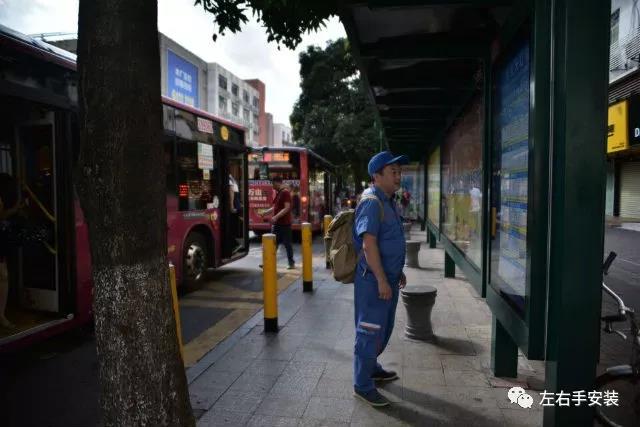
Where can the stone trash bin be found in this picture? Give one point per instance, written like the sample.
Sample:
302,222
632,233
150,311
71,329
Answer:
407,230
413,247
419,301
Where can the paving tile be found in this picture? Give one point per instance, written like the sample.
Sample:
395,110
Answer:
465,378
250,382
419,360
277,353
520,418
266,367
204,398
339,371
245,402
395,415
213,379
416,379
271,421
295,385
304,368
231,364
461,363
330,409
223,418
283,406
313,422
327,387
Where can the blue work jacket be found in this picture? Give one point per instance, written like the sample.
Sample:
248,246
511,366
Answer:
389,233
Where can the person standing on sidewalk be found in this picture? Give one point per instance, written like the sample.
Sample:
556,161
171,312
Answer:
281,219
379,240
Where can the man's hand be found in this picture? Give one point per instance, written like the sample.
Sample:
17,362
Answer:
403,281
273,220
384,290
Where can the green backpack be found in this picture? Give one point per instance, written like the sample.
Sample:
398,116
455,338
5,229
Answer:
342,254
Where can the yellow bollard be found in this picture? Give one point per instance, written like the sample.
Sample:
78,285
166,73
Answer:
327,241
270,282
176,307
307,266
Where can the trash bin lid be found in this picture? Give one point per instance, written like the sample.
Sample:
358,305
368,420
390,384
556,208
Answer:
419,290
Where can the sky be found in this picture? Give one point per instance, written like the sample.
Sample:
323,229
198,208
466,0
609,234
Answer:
246,54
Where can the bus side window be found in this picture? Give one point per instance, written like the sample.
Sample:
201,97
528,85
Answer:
195,188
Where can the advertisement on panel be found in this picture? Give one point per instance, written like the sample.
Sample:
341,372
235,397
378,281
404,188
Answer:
617,128
182,80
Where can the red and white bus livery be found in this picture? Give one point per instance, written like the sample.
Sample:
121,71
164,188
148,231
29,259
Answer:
49,284
309,177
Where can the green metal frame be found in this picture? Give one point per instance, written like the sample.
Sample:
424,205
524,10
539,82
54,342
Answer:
580,40
528,332
471,272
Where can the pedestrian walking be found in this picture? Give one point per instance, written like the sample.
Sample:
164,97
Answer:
379,240
281,219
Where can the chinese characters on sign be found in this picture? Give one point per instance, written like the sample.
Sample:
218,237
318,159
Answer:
562,398
511,175
261,196
182,80
205,156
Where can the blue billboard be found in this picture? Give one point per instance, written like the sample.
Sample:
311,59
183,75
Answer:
182,79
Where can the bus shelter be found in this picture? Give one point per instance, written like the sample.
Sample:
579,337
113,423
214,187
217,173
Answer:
504,102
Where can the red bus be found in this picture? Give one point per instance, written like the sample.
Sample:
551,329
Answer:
309,177
47,280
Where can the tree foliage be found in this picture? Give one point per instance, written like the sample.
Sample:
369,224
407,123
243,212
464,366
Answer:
285,21
332,115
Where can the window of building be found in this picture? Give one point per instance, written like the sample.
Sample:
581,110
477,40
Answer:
255,101
222,104
245,96
245,114
222,81
234,89
255,119
234,109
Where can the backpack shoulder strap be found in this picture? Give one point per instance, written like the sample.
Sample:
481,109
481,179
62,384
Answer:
374,197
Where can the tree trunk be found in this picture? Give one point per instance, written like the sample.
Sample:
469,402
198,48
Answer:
121,186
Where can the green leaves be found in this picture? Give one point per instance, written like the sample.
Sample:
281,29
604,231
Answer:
285,21
332,115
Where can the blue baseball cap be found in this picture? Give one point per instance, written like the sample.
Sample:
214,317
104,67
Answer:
383,159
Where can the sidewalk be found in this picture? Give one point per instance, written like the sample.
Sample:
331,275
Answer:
302,376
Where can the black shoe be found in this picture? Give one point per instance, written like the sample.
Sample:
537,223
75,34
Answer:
384,376
373,397
260,265
291,266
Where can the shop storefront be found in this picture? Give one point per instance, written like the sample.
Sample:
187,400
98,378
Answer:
623,158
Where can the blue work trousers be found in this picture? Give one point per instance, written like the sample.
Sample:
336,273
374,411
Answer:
374,318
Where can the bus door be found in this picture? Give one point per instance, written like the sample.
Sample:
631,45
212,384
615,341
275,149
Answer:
234,206
37,262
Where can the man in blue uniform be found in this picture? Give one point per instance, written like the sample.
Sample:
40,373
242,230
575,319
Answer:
379,240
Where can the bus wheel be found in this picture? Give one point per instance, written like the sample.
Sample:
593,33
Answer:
195,260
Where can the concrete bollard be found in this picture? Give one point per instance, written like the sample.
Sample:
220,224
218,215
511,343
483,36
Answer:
327,240
269,282
176,307
413,247
419,301
307,259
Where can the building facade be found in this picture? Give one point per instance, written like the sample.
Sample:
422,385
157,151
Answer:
281,135
262,114
234,99
269,129
623,139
